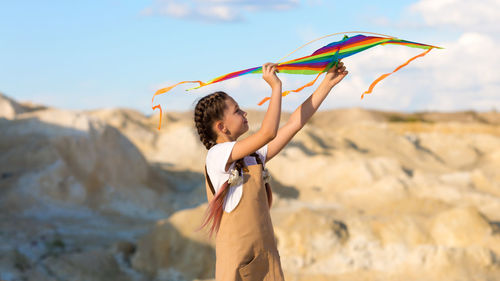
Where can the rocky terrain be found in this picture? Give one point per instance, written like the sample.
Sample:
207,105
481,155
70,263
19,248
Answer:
359,195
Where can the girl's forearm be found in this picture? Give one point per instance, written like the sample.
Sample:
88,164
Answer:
304,112
271,122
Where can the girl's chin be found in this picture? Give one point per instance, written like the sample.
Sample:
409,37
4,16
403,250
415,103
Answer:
245,129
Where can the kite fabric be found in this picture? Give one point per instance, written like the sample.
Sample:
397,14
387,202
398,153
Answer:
318,62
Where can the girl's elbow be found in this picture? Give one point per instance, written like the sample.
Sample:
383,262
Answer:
269,135
273,135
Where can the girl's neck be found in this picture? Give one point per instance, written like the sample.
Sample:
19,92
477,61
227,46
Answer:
224,138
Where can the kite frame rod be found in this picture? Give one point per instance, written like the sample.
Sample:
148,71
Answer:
336,33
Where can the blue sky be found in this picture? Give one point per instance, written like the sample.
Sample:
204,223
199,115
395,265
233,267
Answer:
102,54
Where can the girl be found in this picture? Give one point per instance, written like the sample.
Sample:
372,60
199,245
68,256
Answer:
236,181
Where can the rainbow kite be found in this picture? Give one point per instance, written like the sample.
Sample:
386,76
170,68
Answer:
319,61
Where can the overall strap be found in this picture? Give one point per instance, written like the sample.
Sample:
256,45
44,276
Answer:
209,181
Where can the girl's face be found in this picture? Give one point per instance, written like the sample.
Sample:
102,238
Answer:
234,120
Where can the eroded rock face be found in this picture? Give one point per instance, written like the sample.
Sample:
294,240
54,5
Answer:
9,107
175,249
92,265
359,195
335,244
62,158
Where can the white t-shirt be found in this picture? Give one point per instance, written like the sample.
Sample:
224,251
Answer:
216,163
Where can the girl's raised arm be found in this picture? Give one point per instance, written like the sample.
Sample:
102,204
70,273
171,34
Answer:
270,124
304,112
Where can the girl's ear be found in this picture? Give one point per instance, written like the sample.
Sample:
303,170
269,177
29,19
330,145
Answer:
220,128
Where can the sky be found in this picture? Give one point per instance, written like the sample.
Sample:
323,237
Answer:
84,55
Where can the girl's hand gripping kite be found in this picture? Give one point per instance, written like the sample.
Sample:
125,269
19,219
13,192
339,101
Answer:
319,61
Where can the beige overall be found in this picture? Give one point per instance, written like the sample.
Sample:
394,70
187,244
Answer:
245,244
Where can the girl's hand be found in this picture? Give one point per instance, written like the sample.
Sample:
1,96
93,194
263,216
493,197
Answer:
269,74
335,74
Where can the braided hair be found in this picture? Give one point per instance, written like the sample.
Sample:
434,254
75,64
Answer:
207,111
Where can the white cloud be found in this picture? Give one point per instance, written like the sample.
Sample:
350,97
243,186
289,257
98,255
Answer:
175,9
464,75
215,10
220,13
469,15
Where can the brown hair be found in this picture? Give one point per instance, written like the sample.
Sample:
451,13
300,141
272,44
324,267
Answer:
207,111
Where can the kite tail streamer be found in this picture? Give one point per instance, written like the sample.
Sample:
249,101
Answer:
164,90
383,76
161,113
295,91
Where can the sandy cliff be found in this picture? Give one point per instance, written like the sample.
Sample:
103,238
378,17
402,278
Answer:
360,195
